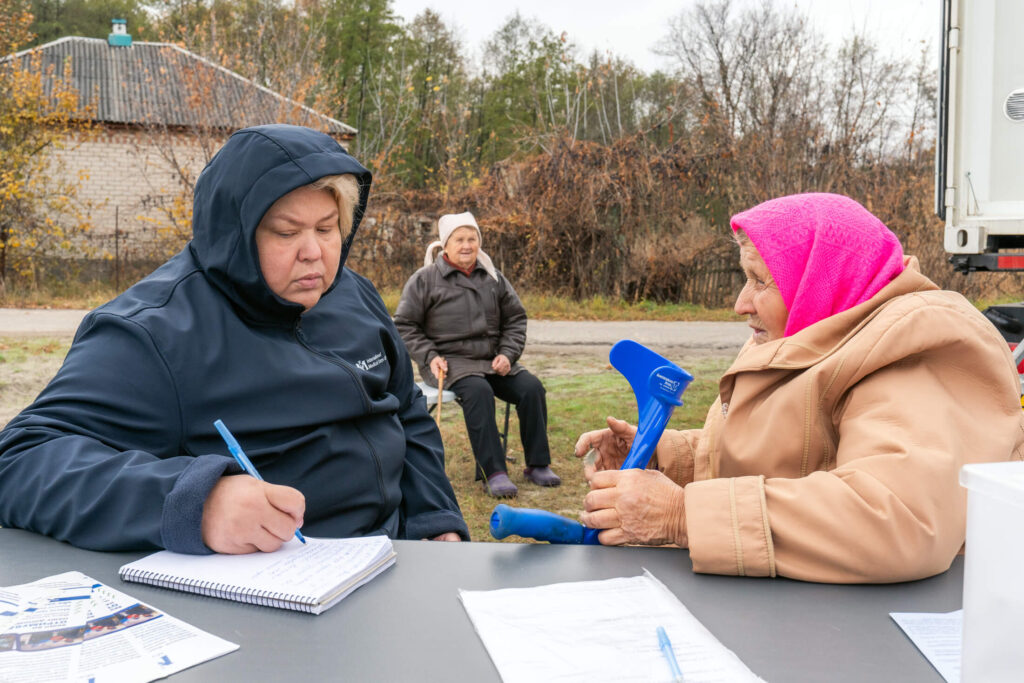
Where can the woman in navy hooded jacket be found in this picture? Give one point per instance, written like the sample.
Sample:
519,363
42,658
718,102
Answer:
258,323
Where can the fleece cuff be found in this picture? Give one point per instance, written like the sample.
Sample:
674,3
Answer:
181,522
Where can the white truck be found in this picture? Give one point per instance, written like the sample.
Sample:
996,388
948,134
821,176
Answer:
979,152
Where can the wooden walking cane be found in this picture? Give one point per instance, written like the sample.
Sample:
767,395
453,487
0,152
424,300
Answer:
440,396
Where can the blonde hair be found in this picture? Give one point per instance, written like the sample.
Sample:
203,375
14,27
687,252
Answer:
345,190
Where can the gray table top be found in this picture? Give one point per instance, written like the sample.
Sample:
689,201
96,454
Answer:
409,625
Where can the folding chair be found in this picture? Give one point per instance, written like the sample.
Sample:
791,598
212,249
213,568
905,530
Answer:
430,393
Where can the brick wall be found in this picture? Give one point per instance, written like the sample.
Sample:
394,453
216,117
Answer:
131,178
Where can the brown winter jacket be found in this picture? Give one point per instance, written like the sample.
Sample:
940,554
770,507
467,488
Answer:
833,454
467,320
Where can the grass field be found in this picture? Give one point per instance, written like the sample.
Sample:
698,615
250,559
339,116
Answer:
576,403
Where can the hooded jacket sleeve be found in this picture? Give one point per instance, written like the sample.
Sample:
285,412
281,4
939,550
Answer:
410,317
429,507
512,340
96,460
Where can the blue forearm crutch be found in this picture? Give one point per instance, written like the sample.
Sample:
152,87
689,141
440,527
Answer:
658,385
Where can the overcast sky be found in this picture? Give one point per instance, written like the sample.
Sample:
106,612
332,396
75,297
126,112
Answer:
629,28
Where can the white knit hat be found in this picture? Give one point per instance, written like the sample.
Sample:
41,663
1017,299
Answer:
448,224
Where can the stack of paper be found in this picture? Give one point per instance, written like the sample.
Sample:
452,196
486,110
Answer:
937,636
70,627
596,631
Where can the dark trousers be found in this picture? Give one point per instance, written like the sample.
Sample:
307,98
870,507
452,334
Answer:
476,395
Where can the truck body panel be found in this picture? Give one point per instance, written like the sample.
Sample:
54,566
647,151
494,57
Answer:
980,150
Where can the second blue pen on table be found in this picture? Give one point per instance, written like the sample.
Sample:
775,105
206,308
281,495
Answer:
242,459
666,649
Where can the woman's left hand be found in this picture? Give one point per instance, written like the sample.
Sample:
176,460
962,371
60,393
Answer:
447,536
501,364
635,506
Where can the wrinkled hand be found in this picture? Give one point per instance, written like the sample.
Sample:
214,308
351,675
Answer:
447,536
438,365
501,364
611,446
636,506
243,515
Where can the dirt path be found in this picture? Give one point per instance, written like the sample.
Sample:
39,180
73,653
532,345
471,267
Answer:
37,322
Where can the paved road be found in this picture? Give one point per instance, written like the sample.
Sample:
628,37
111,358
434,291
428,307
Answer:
667,337
542,335
22,322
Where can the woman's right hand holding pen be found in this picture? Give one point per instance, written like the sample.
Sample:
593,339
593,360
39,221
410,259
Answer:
245,515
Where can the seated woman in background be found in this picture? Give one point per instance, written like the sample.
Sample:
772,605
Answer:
833,450
459,316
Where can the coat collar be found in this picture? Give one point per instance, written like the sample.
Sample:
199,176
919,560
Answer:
447,268
815,342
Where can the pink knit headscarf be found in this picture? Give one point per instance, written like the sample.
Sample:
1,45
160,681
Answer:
826,253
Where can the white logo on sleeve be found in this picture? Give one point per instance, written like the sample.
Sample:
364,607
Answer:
371,362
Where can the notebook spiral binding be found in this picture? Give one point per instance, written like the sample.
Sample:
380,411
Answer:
225,591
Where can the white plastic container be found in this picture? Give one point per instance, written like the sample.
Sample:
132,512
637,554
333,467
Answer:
993,649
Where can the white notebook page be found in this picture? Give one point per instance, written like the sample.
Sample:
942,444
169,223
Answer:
315,570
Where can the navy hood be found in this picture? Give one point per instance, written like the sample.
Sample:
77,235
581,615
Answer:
255,168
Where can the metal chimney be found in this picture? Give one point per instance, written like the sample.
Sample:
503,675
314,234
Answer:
119,34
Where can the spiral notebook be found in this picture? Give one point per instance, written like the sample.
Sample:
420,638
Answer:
309,578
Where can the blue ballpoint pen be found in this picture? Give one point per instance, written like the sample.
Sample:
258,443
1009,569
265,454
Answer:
666,649
242,459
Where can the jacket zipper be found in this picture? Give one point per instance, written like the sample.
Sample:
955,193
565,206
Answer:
297,331
380,475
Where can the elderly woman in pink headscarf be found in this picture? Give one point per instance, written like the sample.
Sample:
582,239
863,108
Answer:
833,449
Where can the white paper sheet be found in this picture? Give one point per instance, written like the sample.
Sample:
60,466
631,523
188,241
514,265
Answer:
70,627
596,631
44,628
938,636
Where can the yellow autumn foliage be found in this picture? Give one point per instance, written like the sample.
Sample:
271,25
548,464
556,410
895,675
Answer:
40,112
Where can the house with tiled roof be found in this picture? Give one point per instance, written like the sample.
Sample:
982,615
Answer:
161,112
